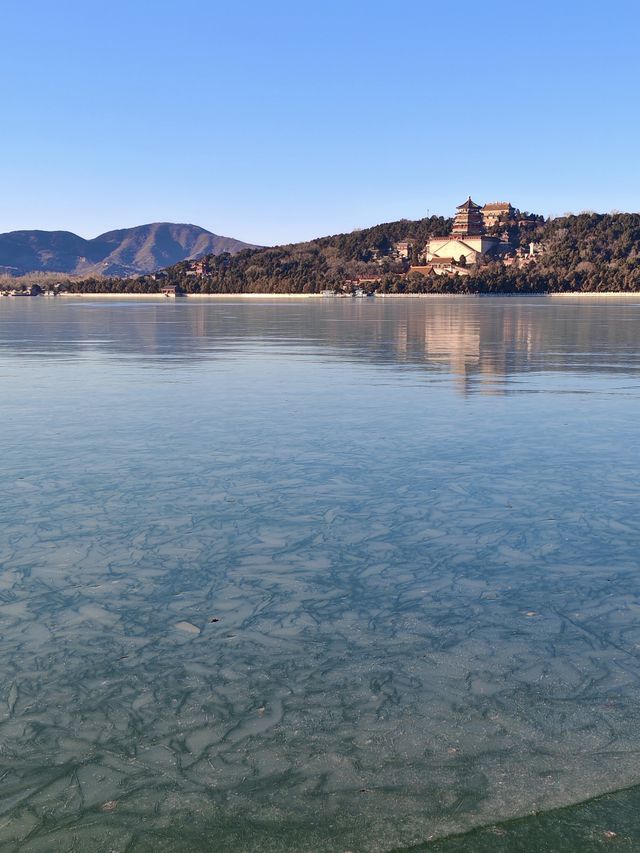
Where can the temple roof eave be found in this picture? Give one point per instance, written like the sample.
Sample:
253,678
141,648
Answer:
469,204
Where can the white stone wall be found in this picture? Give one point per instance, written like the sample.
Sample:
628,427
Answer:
470,247
448,248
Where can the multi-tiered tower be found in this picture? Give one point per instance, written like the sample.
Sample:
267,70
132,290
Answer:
468,221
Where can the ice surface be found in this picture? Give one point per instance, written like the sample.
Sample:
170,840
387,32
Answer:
315,576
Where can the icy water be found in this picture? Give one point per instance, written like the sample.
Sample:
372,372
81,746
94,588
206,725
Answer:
320,575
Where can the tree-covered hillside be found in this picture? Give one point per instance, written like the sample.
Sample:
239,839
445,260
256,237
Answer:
588,252
592,252
311,267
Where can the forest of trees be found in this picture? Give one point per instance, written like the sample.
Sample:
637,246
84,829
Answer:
587,252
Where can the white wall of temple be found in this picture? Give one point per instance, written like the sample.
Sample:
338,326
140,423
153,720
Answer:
454,249
470,247
434,246
481,244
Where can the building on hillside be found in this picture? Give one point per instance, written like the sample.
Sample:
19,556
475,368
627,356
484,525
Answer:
441,266
498,213
525,219
402,249
447,266
468,244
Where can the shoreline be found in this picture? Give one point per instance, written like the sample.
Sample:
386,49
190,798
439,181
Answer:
159,297
164,298
607,294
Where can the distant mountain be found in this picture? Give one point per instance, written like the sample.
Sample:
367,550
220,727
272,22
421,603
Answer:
126,252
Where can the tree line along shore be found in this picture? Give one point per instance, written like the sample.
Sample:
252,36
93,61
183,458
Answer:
588,252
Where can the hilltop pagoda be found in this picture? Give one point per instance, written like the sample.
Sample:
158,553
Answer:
468,221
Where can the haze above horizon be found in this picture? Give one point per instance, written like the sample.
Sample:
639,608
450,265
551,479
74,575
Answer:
273,124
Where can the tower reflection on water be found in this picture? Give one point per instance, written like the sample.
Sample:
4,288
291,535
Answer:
482,343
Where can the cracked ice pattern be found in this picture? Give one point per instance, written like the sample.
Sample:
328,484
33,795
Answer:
314,576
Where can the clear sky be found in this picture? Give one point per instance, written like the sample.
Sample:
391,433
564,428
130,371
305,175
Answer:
280,121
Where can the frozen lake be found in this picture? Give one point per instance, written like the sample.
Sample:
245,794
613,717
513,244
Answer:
317,575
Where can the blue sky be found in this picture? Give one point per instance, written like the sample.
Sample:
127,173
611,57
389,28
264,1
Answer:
281,121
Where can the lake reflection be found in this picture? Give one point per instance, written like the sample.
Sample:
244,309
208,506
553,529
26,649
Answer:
480,341
314,575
